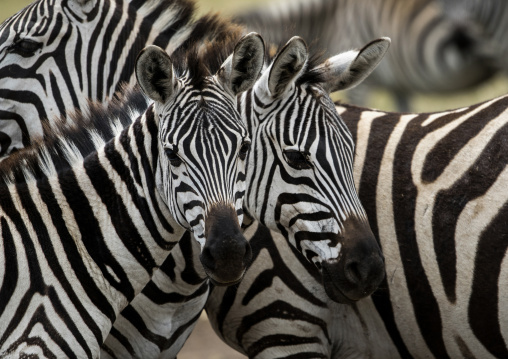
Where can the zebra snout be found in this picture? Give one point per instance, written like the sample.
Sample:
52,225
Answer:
364,273
226,253
360,269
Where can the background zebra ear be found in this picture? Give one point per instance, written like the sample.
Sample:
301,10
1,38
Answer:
287,65
349,68
154,72
241,70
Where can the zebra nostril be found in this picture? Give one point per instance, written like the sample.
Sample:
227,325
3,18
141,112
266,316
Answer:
354,273
207,258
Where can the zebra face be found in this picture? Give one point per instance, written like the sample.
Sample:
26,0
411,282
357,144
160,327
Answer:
203,150
303,154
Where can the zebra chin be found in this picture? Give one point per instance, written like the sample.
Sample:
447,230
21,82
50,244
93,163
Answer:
226,253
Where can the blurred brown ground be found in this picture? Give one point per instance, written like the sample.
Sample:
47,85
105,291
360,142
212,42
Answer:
204,343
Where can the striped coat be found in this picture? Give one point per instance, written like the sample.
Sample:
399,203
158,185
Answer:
433,185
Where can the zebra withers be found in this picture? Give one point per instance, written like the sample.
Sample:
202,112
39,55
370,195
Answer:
287,110
434,188
86,218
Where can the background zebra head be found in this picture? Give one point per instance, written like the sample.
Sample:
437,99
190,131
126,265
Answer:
203,145
302,154
50,54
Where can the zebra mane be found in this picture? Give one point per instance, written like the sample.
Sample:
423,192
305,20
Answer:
70,140
162,14
212,41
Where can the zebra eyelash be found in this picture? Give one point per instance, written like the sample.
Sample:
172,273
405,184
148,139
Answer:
297,159
24,47
173,157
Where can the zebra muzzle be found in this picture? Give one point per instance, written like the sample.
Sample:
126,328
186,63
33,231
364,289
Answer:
226,253
360,269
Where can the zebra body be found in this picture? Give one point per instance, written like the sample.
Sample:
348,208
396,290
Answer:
287,97
433,186
431,52
86,221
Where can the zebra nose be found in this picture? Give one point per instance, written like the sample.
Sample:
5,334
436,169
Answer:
364,272
226,258
226,253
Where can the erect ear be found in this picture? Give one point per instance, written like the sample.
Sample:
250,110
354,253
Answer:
349,68
82,6
154,72
241,70
286,67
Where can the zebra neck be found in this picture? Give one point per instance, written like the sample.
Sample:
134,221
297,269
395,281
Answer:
105,214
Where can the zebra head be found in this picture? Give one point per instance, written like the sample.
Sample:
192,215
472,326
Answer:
50,51
203,148
300,173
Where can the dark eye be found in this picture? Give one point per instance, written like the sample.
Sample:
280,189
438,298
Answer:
296,159
173,157
25,47
243,150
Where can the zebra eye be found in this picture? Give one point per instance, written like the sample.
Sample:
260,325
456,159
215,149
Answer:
25,47
296,159
173,157
243,150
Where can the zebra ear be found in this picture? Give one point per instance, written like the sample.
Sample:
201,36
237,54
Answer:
241,70
287,66
154,72
348,69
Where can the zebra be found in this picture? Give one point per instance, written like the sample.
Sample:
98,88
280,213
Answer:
299,183
50,51
434,188
88,215
431,52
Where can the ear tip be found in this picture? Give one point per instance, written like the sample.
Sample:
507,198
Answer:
383,42
298,41
255,37
151,49
253,34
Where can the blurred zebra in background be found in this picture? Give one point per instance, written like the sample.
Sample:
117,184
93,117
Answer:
55,55
434,188
489,20
430,51
299,182
86,218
